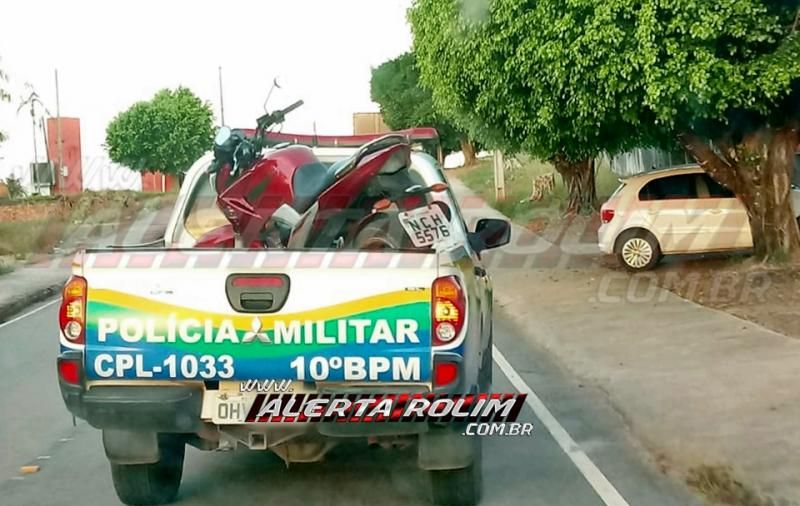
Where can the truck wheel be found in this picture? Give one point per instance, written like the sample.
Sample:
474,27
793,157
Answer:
151,484
460,487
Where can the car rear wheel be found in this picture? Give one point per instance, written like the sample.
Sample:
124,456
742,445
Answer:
638,250
460,487
151,484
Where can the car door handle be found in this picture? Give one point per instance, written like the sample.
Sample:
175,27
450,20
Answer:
480,271
715,211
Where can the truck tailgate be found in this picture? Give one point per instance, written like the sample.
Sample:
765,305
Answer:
240,315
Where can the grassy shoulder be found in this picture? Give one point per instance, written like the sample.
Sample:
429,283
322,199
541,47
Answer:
519,185
35,225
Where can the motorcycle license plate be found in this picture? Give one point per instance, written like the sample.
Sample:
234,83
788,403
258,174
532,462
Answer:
426,226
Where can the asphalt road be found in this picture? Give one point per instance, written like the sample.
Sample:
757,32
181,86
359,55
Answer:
579,455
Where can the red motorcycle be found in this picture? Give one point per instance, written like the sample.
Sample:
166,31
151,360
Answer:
288,198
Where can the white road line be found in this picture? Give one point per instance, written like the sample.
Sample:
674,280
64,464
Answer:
609,495
9,322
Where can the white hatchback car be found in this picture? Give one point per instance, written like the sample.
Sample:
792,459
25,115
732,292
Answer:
673,211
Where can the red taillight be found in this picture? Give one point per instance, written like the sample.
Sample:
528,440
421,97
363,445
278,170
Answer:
606,215
444,373
447,309
72,315
70,371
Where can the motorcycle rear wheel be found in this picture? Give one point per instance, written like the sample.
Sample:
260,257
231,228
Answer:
384,232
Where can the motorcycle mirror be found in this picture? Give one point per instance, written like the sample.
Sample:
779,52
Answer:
223,134
269,94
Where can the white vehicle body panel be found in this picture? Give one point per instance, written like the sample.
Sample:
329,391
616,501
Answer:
693,225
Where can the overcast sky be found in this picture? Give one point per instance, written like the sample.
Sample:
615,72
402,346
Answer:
110,54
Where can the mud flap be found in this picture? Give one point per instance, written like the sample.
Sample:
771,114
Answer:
130,447
443,448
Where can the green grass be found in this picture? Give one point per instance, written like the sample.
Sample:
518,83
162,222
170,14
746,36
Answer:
21,238
519,184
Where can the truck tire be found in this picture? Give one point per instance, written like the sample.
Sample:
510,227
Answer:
151,484
460,487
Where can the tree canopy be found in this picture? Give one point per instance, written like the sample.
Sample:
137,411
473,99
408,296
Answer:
580,77
167,133
405,104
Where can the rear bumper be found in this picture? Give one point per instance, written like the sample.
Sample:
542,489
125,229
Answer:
605,238
179,408
157,409
174,409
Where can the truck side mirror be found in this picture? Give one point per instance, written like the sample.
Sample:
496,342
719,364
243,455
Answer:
490,233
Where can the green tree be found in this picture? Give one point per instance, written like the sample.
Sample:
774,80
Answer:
167,133
480,66
405,104
574,78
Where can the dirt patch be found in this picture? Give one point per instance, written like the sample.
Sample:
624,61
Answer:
768,295
29,212
763,294
571,229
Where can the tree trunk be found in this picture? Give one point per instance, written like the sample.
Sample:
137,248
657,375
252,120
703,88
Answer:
759,171
469,152
580,183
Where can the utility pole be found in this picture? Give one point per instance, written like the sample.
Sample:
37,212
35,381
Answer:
59,141
35,150
499,176
221,101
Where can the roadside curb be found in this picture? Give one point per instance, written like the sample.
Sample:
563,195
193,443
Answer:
20,303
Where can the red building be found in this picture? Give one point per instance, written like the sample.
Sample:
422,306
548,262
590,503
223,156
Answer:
68,176
157,182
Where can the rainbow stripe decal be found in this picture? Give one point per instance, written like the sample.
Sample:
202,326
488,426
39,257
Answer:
384,337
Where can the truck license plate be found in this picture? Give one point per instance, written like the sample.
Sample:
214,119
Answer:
231,409
426,226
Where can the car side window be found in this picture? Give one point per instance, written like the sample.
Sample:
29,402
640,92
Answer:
716,190
682,186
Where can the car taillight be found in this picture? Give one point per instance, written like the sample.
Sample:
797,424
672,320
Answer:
72,314
606,215
447,309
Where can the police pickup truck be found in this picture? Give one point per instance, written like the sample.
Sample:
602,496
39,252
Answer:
163,348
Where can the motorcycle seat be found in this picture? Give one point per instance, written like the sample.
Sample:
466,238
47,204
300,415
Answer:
308,183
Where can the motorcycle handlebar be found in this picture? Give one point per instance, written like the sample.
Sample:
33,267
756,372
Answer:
292,107
278,116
